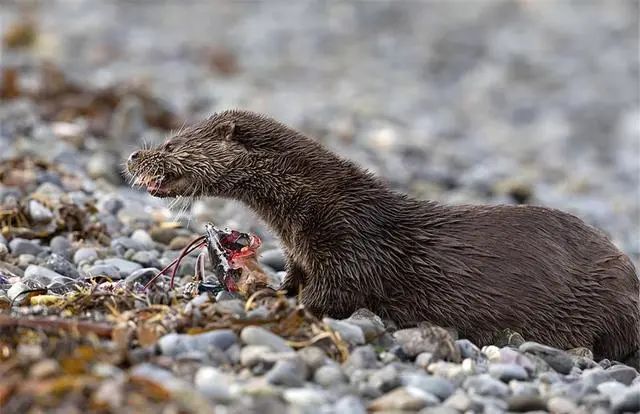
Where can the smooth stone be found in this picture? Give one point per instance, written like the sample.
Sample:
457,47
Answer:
486,385
440,387
213,383
142,238
385,379
61,285
349,333
174,344
370,323
560,405
230,307
424,359
305,397
38,212
40,274
256,335
508,372
122,244
313,356
458,401
62,246
622,373
524,403
557,359
433,339
61,265
15,291
611,388
126,267
329,376
593,377
111,204
274,258
85,254
399,399
109,271
362,357
25,260
20,246
350,404
146,258
251,355
288,373
439,410
224,295
141,276
163,235
511,356
468,349
628,401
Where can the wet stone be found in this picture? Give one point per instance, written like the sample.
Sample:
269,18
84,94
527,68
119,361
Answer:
61,265
23,246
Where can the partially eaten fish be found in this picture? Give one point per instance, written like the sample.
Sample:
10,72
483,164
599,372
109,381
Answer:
231,253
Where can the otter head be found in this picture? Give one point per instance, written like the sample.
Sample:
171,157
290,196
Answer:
210,158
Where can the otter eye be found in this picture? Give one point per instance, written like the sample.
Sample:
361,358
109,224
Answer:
168,147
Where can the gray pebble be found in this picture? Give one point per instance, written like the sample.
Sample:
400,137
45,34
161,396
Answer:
25,260
433,339
468,349
370,323
305,397
622,373
362,357
385,379
486,385
141,276
146,258
62,246
611,388
61,265
508,372
20,246
251,355
458,401
350,404
628,401
109,271
40,274
121,244
288,373
85,254
273,258
38,212
352,334
175,344
440,387
15,293
313,357
329,375
256,335
557,359
125,267
142,238
213,383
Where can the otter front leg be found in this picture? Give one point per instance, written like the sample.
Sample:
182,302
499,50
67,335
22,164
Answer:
294,278
331,301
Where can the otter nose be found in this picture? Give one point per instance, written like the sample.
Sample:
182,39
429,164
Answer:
134,156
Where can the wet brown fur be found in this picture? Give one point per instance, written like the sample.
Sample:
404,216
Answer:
351,242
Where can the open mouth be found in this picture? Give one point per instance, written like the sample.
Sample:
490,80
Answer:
157,186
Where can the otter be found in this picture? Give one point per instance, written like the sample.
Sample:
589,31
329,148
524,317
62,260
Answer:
351,242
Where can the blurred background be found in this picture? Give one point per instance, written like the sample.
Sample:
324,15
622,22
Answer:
465,101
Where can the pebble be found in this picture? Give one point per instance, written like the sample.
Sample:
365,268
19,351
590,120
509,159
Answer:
15,293
213,383
458,401
467,349
486,385
560,405
61,246
400,399
370,323
440,387
143,239
20,246
174,344
109,271
38,212
329,375
349,404
61,265
622,373
627,401
255,335
525,403
305,397
85,254
288,373
146,258
274,258
508,372
385,379
125,267
433,339
557,359
40,274
362,357
313,357
141,276
349,333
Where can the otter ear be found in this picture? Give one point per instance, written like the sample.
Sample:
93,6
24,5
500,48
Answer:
226,130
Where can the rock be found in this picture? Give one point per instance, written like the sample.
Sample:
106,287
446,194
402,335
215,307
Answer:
104,165
146,258
121,244
622,373
61,246
213,383
508,372
611,389
85,254
362,357
370,323
468,349
179,242
437,386
329,375
424,338
20,246
142,238
61,265
44,369
350,404
557,359
313,357
231,307
399,399
628,401
349,333
560,405
424,359
273,258
163,235
25,260
141,276
111,204
15,293
288,373
305,397
105,270
255,335
458,401
175,344
40,274
38,212
385,379
507,337
511,356
251,355
486,385
125,267
593,377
